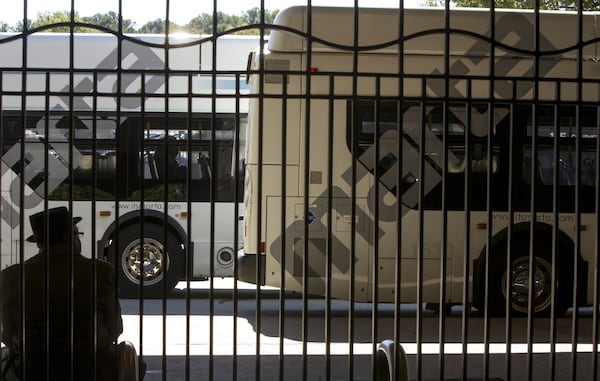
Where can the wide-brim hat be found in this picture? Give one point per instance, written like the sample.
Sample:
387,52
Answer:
59,222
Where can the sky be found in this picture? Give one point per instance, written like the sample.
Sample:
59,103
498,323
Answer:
181,11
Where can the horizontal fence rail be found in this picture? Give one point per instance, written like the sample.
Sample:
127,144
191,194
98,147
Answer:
310,193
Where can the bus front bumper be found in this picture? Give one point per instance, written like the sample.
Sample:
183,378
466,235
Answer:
247,270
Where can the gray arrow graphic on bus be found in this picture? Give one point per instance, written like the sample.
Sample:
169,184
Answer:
407,189
34,174
517,32
136,58
30,166
317,238
85,85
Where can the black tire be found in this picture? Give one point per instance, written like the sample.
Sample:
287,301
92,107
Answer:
161,266
519,278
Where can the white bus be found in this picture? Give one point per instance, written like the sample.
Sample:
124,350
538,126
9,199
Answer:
404,163
92,129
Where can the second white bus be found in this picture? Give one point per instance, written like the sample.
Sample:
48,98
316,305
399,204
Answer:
136,140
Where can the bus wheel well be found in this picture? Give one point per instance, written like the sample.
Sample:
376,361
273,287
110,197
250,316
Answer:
144,254
149,217
520,247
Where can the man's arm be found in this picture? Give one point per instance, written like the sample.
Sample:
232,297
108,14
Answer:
9,304
108,303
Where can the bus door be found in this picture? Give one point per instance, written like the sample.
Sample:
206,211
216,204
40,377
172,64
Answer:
417,185
299,240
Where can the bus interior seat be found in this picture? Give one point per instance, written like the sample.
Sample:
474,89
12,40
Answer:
526,169
151,167
477,165
107,164
86,162
201,169
85,166
481,165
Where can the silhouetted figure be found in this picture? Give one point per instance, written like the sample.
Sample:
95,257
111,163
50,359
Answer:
71,310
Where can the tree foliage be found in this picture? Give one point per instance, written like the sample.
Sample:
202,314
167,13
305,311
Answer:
110,20
58,22
202,24
158,26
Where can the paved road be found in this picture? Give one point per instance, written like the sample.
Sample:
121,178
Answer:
234,350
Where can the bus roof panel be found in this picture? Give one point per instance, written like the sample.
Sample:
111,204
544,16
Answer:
100,51
333,31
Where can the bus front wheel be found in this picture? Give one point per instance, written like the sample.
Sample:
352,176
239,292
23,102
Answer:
146,263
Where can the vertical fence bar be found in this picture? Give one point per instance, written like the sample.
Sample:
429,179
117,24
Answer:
142,229
188,271
578,168
488,241
533,243
118,90
575,315
71,294
47,282
508,326
282,279
555,232
94,253
510,241
22,195
213,194
399,175
188,251
306,190
259,188
444,204
165,217
236,244
376,246
421,234
353,194
490,169
329,248
532,238
466,305
596,270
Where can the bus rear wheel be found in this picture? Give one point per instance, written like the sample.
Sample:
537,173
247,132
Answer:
519,285
151,261
517,276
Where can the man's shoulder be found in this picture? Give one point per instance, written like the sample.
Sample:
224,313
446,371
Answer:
9,276
11,270
101,264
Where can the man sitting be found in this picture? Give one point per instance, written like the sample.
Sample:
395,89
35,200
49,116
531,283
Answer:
70,306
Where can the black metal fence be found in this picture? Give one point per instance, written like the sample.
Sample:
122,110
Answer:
345,193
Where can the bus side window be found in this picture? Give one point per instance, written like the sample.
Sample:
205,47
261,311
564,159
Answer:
567,174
